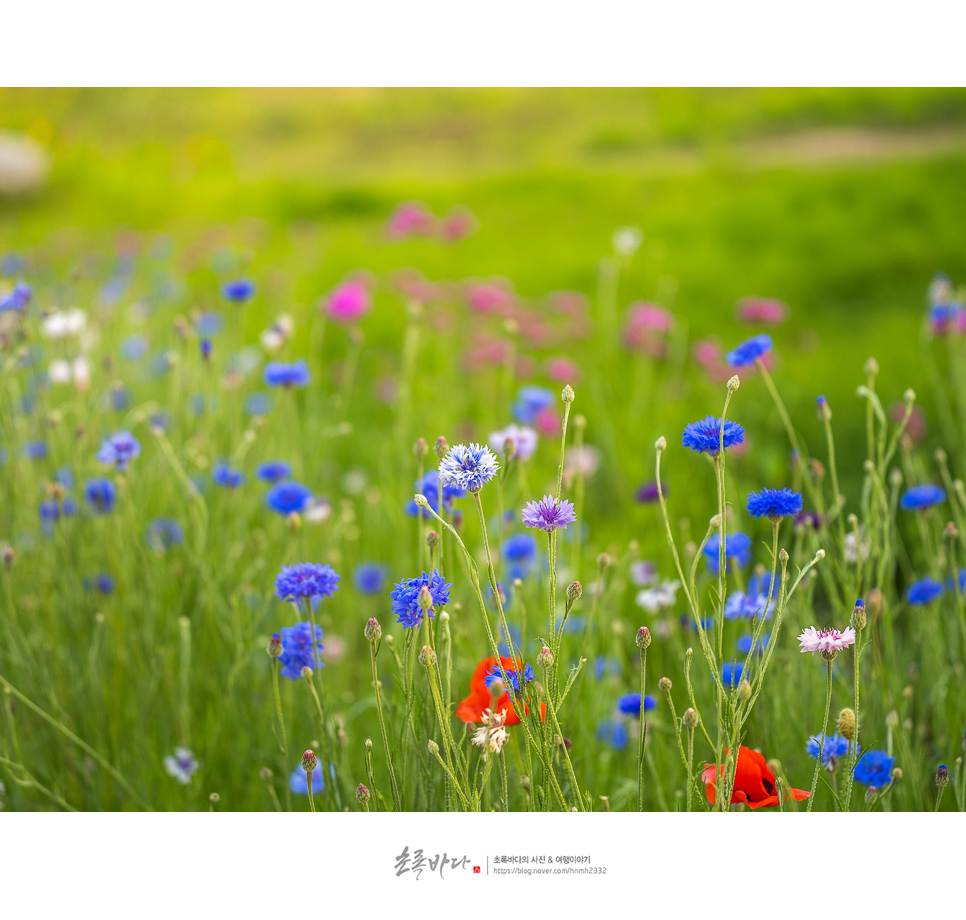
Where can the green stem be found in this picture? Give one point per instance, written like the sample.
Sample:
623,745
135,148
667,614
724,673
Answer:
821,743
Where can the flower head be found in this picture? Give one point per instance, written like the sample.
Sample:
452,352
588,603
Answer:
369,577
348,302
518,678
549,514
874,769
238,291
480,698
524,441
298,650
405,598
657,597
286,497
731,673
181,766
754,783
630,704
492,734
163,533
705,436
100,494
924,496
748,606
306,580
649,492
737,550
774,504
530,403
223,475
834,748
749,352
765,310
827,641
273,471
119,449
924,591
468,466
429,487
279,374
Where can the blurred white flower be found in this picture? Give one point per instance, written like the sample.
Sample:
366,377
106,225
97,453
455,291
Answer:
64,371
317,511
854,547
626,241
492,734
64,323
524,441
660,597
584,459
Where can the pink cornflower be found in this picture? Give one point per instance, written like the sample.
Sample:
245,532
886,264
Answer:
348,302
762,310
411,218
827,641
485,297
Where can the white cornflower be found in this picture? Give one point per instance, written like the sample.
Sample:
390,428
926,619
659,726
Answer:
492,734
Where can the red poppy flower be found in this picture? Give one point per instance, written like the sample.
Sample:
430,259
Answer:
754,782
480,698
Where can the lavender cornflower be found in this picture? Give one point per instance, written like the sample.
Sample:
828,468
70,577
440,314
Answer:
35,450
181,766
737,551
524,441
705,436
239,290
468,467
834,748
924,496
774,504
549,514
273,471
924,591
288,497
827,641
224,475
298,650
306,580
874,769
405,598
630,704
518,679
277,374
119,449
748,352
100,494
163,533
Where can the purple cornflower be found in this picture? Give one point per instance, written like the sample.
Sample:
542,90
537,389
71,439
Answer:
181,766
549,514
524,441
749,352
35,450
306,580
286,497
273,471
278,374
468,466
298,650
119,449
405,598
100,494
239,290
774,504
648,492
705,436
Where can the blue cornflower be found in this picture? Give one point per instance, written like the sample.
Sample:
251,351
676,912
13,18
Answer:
286,497
606,666
298,782
50,510
65,476
468,466
630,704
163,533
737,550
69,507
100,494
530,402
369,577
224,475
517,685
18,298
35,450
119,449
273,471
504,646
749,352
744,644
298,650
924,496
833,750
100,582
731,673
705,436
924,591
429,486
774,504
257,403
239,290
759,582
210,323
206,349
134,348
613,732
520,551
120,398
748,606
687,622
874,769
306,580
951,585
278,374
405,598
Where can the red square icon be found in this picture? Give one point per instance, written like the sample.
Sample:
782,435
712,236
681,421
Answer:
476,870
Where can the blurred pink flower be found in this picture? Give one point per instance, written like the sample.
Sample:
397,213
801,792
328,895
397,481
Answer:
706,351
411,218
348,302
563,370
488,297
457,225
916,427
387,389
485,350
765,310
548,422
411,283
646,327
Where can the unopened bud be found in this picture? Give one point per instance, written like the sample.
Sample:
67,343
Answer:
433,747
690,718
568,394
783,556
441,448
274,646
895,476
603,560
744,691
942,776
872,367
733,383
307,673
876,599
525,783
545,657
432,539
847,724
951,533
858,615
892,720
574,590
871,794
420,449
214,798
424,599
427,656
909,395
309,761
368,744
643,638
266,774
362,794
824,412
665,684
294,520
896,774
660,443
373,630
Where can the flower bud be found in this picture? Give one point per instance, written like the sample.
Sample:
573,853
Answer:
425,599
214,798
660,443
896,774
441,448
432,539
274,646
643,638
876,600
871,794
909,395
690,718
895,477
545,657
309,761
847,724
307,673
858,616
525,783
783,556
733,383
427,656
433,747
420,449
942,776
951,532
824,412
294,520
744,691
266,774
603,560
665,684
872,367
568,394
362,794
373,630
368,744
574,590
